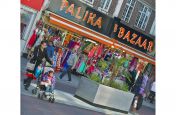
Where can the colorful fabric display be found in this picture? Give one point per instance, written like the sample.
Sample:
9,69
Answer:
88,48
99,51
92,51
82,67
32,40
71,44
133,64
58,64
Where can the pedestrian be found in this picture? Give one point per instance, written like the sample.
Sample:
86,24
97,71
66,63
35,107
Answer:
50,49
70,65
38,56
148,87
152,93
49,81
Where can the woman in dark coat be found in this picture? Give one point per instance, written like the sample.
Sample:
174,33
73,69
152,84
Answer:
40,53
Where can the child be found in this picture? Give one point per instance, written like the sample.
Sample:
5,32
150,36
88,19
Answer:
49,81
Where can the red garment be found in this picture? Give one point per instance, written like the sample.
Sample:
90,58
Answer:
32,40
99,51
30,75
90,69
92,51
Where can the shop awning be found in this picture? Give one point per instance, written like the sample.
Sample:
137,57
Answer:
84,31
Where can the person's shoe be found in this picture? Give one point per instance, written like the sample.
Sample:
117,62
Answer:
68,80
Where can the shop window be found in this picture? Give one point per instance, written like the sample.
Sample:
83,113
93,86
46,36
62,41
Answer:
25,20
143,17
88,2
104,5
128,10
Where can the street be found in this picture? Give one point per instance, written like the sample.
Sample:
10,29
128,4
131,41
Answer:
34,106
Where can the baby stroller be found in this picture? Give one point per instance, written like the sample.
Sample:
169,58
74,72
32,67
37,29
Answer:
45,88
38,74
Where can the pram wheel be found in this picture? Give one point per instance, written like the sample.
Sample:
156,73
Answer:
52,100
42,96
49,99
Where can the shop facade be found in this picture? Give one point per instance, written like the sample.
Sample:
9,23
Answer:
70,21
74,17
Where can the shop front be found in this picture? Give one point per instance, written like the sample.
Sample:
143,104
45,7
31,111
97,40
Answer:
72,22
97,38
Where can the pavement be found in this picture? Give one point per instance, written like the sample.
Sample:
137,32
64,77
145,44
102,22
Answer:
33,106
65,91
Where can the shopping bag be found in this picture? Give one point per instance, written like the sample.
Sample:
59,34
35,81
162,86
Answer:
30,65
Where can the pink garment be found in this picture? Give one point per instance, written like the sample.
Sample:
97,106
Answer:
99,51
92,51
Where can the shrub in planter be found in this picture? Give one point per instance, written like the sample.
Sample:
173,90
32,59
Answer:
102,64
95,77
123,87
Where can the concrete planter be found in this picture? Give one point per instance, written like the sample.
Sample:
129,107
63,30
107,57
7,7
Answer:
103,96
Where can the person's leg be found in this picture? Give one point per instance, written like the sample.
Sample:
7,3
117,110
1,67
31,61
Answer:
152,96
62,74
47,88
28,82
69,73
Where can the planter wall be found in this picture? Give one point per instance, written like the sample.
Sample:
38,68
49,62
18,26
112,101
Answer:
104,96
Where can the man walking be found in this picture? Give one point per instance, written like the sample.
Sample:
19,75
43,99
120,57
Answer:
71,62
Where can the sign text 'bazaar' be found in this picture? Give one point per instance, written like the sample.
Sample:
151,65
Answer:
132,38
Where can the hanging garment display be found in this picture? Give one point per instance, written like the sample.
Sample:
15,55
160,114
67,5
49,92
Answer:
32,39
82,67
107,56
71,44
99,51
67,39
88,48
133,64
58,66
40,35
90,69
126,64
85,45
92,51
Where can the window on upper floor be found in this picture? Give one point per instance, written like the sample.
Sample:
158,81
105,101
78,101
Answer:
89,2
128,10
143,17
104,5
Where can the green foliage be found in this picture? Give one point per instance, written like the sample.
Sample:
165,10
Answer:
95,77
123,87
102,64
127,75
